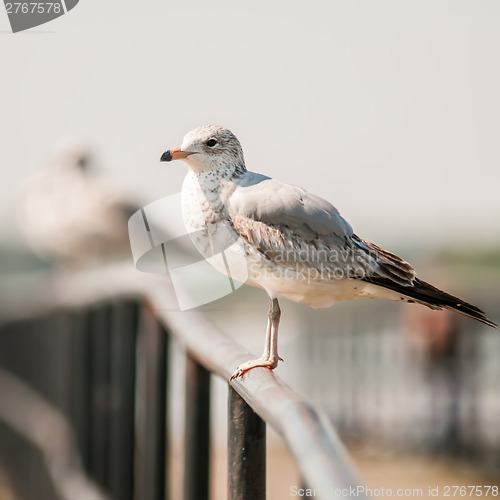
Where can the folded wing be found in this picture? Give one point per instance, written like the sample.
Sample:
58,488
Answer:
294,228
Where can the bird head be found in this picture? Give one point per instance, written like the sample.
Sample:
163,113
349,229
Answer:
208,148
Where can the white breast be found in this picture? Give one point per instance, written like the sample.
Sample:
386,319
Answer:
207,221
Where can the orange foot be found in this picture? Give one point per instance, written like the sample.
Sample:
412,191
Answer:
255,363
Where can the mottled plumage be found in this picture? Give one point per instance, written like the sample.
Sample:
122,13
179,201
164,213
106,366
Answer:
294,244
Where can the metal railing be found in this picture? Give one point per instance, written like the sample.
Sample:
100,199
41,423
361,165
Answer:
125,320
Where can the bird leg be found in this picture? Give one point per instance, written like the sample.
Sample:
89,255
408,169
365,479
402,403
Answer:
269,358
275,315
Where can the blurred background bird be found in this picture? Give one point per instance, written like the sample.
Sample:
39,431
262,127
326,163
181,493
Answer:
70,214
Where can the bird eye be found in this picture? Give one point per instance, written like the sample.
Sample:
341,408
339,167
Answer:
211,143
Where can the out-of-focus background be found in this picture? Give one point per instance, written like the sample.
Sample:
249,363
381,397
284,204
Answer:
388,109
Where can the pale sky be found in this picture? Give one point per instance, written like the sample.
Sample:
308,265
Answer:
389,109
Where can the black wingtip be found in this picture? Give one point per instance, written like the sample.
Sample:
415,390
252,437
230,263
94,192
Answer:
433,297
488,322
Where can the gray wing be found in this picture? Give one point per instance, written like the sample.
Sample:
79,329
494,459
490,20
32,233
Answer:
278,204
294,228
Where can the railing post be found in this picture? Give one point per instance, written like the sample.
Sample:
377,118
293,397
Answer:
81,366
154,382
246,456
100,385
123,373
197,431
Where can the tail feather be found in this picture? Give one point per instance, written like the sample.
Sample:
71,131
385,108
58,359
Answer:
432,297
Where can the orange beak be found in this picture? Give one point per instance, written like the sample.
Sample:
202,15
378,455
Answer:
175,154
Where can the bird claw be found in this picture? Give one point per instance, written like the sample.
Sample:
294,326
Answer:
271,364
236,374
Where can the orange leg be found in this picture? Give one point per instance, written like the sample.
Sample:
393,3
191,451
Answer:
269,358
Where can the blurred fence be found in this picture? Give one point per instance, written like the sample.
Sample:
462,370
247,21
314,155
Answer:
382,377
96,347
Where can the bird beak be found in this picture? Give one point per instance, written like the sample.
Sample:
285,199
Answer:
175,154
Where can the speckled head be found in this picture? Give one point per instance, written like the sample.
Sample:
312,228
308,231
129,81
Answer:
208,148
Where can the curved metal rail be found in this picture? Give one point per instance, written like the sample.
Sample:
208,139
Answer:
320,457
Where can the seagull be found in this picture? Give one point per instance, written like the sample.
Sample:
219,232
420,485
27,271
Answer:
296,245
